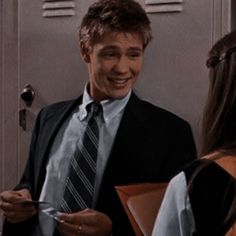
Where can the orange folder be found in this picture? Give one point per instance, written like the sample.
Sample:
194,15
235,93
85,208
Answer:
141,203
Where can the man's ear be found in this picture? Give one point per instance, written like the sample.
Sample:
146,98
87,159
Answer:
84,50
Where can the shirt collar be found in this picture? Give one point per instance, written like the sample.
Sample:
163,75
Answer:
111,107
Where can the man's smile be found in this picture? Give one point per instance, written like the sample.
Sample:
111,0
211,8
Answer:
119,81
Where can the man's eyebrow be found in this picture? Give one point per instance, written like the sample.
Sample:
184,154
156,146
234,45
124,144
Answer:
135,49
110,47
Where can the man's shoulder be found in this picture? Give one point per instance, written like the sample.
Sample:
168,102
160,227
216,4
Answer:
158,113
59,107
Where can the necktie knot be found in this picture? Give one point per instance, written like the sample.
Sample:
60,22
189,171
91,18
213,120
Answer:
94,109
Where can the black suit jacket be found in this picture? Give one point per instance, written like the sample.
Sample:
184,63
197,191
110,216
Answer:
151,145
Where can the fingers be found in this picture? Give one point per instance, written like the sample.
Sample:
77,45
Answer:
77,217
5,206
9,201
75,223
14,196
16,217
10,196
86,222
13,211
68,229
25,193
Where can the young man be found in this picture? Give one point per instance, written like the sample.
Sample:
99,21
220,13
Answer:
138,142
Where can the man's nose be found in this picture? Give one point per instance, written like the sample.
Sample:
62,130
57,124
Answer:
122,65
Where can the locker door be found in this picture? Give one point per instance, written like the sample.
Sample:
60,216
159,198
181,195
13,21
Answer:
174,74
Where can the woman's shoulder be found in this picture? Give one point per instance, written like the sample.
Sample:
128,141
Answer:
228,163
213,165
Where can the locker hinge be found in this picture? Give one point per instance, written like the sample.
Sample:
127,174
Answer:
22,118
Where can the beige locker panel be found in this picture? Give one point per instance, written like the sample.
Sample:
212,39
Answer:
175,76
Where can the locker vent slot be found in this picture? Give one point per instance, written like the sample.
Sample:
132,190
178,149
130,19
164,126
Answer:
163,6
56,8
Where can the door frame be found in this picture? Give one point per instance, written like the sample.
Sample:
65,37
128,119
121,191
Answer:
9,94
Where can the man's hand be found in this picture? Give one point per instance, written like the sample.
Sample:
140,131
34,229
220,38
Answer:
12,209
86,222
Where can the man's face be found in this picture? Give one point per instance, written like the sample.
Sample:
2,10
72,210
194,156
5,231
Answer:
114,64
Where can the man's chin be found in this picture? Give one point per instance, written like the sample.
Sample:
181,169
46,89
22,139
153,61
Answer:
118,95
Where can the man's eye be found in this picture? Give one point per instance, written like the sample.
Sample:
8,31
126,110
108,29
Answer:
134,55
109,54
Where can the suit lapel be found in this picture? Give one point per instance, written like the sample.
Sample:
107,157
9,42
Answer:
127,140
131,126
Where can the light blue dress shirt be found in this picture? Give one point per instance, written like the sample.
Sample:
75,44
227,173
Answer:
63,148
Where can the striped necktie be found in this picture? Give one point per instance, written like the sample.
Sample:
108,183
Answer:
79,187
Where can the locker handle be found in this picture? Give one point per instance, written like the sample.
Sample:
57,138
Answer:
28,94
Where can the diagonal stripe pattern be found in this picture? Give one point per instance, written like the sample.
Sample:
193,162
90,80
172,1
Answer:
81,177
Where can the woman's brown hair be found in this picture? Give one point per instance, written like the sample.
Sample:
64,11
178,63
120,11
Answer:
219,118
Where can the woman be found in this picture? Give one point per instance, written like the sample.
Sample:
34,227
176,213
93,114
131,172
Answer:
201,200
